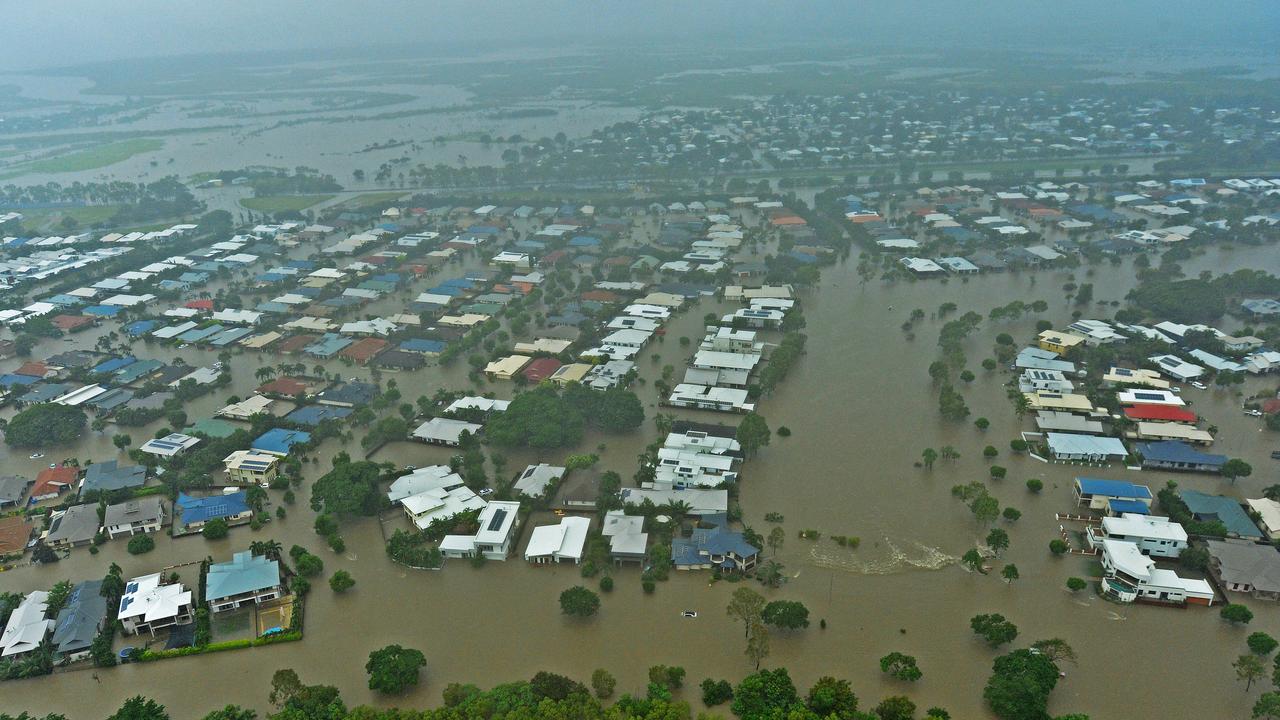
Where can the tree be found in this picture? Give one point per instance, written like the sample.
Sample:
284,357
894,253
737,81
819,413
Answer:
896,707
1267,707
140,708
215,529
1236,468
45,424
746,605
1056,649
998,541
232,712
1248,668
341,581
1035,485
786,615
929,456
1058,546
1011,514
1075,584
900,667
308,565
830,697
1261,643
985,509
578,601
670,677
1009,572
540,418
1235,613
972,560
1020,684
350,488
603,683
753,433
982,423
757,643
762,694
716,692
776,538
393,668
993,628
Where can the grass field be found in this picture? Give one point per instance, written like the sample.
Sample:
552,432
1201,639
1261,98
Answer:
375,198
87,159
283,203
49,218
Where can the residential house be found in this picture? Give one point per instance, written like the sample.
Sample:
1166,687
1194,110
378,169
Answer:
497,522
628,541
169,445
535,479
1059,342
280,441
1132,576
245,579
1072,446
73,527
246,467
13,489
79,621
714,546
1245,567
420,480
443,431
52,482
134,517
27,626
1154,535
150,604
1118,496
1268,513
193,513
557,543
1178,455
440,504
1228,511
109,476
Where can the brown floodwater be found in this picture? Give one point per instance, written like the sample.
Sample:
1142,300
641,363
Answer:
861,408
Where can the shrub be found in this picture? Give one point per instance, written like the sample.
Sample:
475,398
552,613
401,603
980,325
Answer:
1035,485
1058,546
139,544
341,581
606,583
1075,584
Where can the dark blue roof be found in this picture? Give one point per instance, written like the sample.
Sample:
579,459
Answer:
279,440
114,364
1137,507
9,380
315,414
1112,488
102,310
1176,451
203,509
141,327
802,257
422,345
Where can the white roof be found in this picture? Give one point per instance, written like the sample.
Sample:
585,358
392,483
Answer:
496,521
432,477
27,625
478,403
1270,512
435,504
444,430
563,541
1145,526
1125,557
535,478
146,598
701,501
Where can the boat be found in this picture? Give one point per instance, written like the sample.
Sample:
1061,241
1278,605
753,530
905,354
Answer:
689,613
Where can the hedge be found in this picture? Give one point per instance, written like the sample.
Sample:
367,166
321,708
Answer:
149,655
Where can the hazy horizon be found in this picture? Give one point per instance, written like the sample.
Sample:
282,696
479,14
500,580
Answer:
96,31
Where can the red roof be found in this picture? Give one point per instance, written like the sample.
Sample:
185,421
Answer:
284,386
14,533
600,296
540,369
71,322
364,350
55,480
788,220
32,369
1159,412
200,304
1272,406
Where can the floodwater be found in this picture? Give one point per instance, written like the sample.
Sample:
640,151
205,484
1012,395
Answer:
861,408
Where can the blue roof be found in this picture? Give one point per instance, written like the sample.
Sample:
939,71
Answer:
1120,507
315,414
483,230
102,310
301,264
717,540
141,327
1176,451
114,364
245,573
230,336
133,371
65,300
272,307
1112,488
1223,509
328,345
422,345
584,241
802,257
268,277
193,277
198,334
278,440
9,380
109,476
203,509
450,290
461,282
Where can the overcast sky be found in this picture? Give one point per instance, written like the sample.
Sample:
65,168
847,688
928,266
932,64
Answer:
48,33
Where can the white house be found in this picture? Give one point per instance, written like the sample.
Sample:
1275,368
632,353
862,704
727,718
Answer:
427,507
689,468
27,626
1132,576
497,525
1156,536
148,605
706,397
556,543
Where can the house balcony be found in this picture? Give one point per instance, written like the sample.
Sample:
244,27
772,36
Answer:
1119,589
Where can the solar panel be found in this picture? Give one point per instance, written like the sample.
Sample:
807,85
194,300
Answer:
131,587
498,517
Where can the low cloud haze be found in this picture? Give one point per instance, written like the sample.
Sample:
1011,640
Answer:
72,32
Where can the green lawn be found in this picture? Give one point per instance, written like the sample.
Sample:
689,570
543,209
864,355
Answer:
49,218
375,198
87,159
283,203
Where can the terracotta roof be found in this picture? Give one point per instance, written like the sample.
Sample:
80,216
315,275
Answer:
55,479
1159,412
33,369
540,369
283,386
200,304
71,322
14,533
364,350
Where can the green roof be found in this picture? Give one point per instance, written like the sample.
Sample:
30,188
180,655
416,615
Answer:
212,427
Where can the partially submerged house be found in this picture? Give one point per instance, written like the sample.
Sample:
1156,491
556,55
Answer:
560,542
245,579
1245,567
149,604
714,546
1131,576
